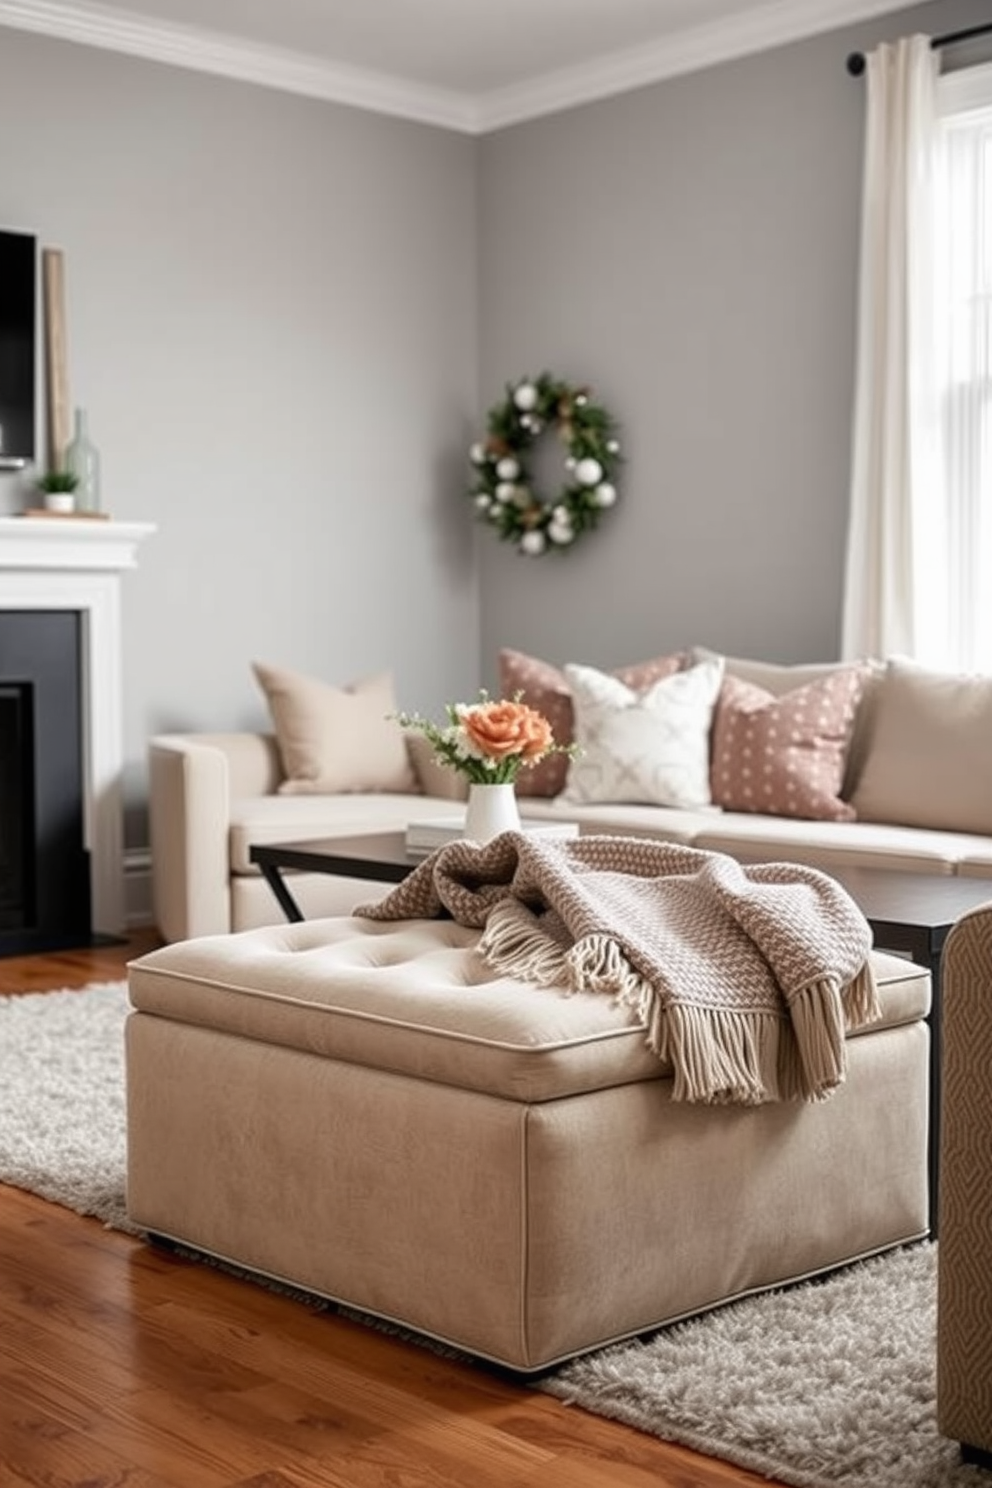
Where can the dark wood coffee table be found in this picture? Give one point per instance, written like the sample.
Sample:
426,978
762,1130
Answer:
911,913
378,856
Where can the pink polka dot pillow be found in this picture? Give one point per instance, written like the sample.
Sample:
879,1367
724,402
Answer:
546,688
785,755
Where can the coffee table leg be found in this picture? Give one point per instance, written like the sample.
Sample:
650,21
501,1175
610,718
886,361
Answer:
924,945
273,877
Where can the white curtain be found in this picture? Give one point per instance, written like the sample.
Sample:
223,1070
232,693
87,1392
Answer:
894,546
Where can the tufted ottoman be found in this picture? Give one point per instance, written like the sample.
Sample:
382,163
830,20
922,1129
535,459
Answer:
362,1109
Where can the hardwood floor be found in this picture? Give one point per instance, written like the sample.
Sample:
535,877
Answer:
122,1366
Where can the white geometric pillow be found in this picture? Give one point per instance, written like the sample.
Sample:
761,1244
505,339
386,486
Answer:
650,747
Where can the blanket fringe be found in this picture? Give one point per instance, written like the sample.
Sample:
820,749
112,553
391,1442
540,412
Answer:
818,1024
516,946
860,999
719,1057
716,1055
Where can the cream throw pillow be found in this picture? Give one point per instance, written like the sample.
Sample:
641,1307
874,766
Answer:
433,777
336,739
930,763
645,747
545,687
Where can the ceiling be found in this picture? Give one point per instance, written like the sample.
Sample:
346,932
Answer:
472,65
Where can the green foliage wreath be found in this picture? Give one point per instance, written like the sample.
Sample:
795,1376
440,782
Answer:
503,491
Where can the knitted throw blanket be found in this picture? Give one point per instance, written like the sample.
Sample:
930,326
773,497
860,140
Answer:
746,977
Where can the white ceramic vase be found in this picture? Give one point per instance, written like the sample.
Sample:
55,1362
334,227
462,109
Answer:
491,809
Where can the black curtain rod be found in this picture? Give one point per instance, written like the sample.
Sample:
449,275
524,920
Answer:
856,60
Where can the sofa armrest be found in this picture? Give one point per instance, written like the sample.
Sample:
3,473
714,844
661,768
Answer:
192,780
964,1256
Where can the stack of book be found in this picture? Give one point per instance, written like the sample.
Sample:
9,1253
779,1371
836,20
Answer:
422,837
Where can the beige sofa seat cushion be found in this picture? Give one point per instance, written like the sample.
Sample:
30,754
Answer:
829,844
263,819
416,998
664,823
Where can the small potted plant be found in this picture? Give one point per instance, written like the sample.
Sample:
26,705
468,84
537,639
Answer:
59,488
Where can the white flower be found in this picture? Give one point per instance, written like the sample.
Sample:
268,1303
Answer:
533,544
505,491
605,495
482,502
562,516
525,397
561,533
613,445
581,400
507,469
477,454
570,462
588,472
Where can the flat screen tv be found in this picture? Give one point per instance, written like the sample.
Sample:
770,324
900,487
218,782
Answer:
18,336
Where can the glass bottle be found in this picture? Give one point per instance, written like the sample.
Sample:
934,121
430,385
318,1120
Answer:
83,458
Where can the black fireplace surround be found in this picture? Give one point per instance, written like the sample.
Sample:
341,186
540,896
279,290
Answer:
44,865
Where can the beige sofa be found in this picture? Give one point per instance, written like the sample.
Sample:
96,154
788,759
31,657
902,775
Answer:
917,775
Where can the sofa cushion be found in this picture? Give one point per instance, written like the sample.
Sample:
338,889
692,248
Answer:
930,762
433,776
302,818
336,738
546,688
643,746
833,844
779,677
785,755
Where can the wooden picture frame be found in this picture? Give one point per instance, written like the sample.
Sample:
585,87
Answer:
56,361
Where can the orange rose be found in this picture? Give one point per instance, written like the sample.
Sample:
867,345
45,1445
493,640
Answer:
500,730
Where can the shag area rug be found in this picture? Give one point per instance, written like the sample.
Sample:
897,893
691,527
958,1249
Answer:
826,1385
62,1119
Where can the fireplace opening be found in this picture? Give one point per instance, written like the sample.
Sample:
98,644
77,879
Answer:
44,864
16,800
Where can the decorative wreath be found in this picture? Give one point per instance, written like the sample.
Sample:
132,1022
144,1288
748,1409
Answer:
503,492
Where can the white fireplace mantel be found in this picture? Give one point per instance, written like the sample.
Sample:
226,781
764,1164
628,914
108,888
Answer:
68,563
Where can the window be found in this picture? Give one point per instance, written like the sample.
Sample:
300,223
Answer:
963,359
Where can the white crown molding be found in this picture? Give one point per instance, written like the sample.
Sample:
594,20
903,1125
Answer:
764,27
227,56
690,50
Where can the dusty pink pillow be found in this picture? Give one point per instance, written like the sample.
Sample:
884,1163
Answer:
546,688
785,755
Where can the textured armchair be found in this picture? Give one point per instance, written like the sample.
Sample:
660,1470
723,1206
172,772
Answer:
964,1268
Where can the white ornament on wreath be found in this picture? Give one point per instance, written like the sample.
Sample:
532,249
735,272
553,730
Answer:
503,492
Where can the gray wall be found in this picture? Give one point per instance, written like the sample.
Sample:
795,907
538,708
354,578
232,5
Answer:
287,319
271,322
690,249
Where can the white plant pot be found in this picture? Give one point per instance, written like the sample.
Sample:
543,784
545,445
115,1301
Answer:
60,501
